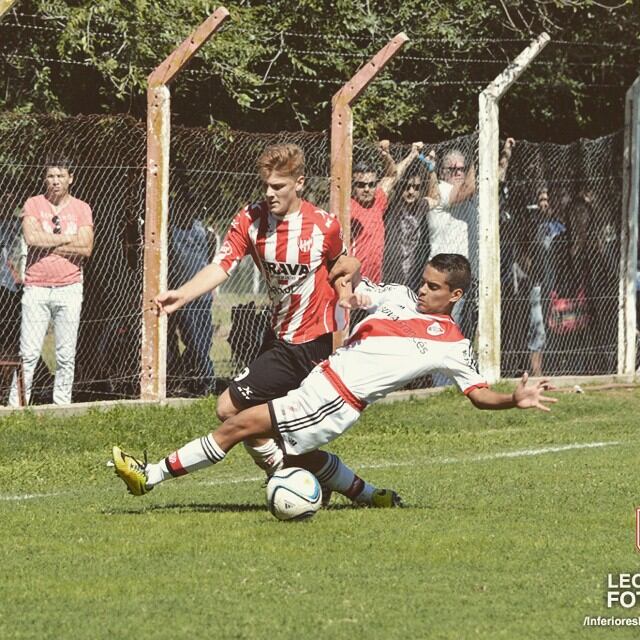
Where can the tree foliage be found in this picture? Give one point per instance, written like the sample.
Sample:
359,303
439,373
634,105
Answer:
275,65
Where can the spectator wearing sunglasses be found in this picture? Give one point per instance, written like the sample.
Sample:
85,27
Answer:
58,230
453,219
369,202
453,228
406,224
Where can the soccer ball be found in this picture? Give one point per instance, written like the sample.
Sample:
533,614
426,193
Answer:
293,494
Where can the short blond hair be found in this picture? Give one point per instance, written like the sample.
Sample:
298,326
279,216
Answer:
287,159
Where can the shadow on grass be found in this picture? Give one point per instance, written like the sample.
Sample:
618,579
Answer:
196,507
199,507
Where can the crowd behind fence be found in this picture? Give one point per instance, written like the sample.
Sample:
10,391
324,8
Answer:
560,228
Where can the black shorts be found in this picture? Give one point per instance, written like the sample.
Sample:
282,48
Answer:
279,367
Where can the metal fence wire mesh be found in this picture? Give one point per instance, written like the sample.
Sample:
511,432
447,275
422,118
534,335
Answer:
560,229
560,264
108,156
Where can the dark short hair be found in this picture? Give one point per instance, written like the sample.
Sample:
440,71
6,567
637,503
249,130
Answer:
456,267
62,162
364,167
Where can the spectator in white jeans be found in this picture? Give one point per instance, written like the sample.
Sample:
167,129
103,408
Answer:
58,230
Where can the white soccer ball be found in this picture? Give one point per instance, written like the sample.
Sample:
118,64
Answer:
293,494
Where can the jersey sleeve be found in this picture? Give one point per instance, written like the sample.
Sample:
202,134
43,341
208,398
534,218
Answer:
333,241
235,245
462,367
381,293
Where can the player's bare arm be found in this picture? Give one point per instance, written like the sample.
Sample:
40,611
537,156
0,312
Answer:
345,276
80,244
347,269
36,236
523,397
204,281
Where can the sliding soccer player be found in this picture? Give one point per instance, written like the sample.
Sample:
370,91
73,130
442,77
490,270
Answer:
404,337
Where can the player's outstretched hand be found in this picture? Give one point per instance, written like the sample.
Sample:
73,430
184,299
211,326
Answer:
532,397
355,301
168,301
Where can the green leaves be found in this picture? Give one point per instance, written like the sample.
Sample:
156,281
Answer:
275,65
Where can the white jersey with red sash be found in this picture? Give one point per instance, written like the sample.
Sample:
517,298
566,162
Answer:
396,344
293,254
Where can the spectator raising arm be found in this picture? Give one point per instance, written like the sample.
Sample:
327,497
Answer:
505,157
432,195
393,172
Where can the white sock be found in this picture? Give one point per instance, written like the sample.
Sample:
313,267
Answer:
197,454
269,456
336,476
156,473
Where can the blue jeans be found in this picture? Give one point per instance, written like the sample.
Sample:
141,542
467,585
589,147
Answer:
189,253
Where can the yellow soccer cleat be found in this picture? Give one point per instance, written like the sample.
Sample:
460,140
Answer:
131,471
385,499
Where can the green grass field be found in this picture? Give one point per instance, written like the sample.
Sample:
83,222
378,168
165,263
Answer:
507,532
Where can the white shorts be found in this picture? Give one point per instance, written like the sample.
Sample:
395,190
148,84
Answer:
311,415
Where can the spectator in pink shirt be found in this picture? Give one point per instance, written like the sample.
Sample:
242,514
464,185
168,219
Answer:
58,230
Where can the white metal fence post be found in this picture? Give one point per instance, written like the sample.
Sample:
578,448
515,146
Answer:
489,306
153,382
629,233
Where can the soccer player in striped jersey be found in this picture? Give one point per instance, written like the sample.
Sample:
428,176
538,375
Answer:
404,336
295,244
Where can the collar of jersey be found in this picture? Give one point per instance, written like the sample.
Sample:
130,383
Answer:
437,316
287,216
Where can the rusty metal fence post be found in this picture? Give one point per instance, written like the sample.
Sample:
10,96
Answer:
154,329
342,137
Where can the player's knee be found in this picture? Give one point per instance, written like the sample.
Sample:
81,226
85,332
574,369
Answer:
238,428
225,407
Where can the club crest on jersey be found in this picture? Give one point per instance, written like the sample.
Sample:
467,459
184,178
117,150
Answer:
435,329
305,245
226,249
286,269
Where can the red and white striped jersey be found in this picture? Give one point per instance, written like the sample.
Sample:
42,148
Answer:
293,254
396,343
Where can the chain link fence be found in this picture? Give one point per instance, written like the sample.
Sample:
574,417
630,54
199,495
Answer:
108,155
560,229
567,258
